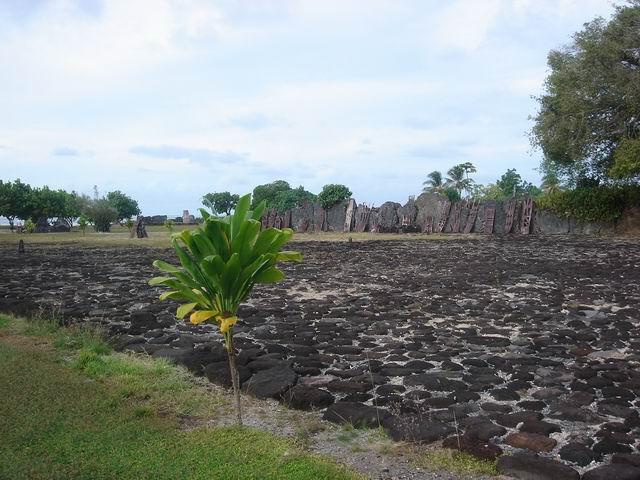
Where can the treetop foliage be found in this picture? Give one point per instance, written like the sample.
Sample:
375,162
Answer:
588,123
125,206
221,202
19,200
280,196
332,194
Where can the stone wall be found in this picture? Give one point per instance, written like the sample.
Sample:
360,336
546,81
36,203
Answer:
428,210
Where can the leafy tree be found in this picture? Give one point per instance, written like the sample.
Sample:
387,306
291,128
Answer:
102,214
626,160
125,206
221,262
434,183
588,122
14,201
292,198
45,203
268,192
510,183
332,194
221,202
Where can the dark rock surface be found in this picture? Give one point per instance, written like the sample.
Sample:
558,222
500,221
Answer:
356,414
532,467
615,471
532,335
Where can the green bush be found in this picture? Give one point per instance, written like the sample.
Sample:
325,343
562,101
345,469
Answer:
332,194
591,204
102,215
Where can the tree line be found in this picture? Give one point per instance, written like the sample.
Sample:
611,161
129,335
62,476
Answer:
21,201
279,196
459,184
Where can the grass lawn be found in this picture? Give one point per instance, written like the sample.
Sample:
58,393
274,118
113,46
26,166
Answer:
73,409
159,237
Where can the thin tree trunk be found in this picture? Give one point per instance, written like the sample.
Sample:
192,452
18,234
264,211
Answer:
234,377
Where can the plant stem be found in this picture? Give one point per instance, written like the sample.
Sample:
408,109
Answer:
234,375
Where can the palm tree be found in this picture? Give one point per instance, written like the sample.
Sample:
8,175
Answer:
551,183
458,177
434,184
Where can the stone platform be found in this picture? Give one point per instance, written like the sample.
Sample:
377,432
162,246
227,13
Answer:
526,345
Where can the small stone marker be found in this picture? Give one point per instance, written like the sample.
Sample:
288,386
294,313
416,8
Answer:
21,246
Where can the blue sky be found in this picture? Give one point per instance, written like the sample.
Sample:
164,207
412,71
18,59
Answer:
169,99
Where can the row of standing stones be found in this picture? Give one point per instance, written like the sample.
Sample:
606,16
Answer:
505,371
429,212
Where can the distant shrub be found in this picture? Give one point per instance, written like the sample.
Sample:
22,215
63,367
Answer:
168,224
591,204
83,222
452,194
29,226
332,194
102,214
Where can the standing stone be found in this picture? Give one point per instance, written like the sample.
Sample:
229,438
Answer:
349,216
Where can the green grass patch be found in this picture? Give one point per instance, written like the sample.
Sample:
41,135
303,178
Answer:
457,462
84,414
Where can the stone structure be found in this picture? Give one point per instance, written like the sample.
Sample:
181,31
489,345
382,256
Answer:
433,213
138,230
188,219
155,220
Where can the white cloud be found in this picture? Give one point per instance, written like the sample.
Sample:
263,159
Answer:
465,24
293,87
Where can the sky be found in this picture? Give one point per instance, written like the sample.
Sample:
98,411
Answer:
167,100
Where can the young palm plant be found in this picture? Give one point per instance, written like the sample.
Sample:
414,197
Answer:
221,261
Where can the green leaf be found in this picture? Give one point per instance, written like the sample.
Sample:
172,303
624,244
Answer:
204,213
185,309
259,211
247,247
270,275
215,231
230,274
239,215
264,241
158,280
205,246
289,256
165,267
286,235
169,294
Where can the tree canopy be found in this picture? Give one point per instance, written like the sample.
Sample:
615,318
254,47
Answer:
588,123
280,196
20,200
125,206
332,194
221,202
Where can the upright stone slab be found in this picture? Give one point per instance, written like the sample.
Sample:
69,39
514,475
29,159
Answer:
527,213
319,219
388,219
350,215
335,217
510,207
363,213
